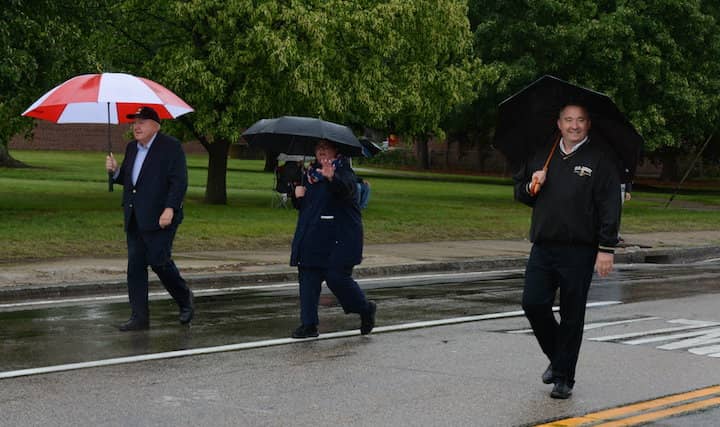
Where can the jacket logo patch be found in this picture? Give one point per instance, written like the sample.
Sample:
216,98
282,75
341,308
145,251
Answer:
583,171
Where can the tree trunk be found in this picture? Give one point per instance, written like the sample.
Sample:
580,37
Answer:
216,187
446,166
423,155
669,171
271,161
7,161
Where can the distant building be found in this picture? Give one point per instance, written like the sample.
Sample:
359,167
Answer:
79,137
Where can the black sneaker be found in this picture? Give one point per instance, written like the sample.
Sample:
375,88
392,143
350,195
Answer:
561,390
367,319
547,376
305,331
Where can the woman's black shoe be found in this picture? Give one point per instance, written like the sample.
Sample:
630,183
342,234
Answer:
367,319
135,324
305,331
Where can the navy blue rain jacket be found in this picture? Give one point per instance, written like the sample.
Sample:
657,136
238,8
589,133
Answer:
329,230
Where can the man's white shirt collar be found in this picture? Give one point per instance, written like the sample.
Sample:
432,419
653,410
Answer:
575,147
142,152
146,147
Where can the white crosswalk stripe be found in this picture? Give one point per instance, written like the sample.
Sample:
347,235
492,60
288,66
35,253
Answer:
700,337
692,324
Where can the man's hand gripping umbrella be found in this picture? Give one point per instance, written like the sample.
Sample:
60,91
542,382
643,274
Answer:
538,178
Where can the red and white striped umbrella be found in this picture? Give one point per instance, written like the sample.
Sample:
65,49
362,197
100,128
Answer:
105,98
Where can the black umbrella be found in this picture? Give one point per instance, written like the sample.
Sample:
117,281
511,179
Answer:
298,135
370,149
527,121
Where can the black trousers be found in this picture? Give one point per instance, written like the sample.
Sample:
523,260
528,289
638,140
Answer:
339,280
568,268
154,249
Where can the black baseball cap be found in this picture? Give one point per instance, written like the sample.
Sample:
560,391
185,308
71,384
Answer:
145,113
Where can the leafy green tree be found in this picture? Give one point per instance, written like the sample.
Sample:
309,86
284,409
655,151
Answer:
365,63
657,59
40,46
234,61
411,65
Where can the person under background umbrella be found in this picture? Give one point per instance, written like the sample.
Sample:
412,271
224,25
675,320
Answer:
369,148
527,122
106,98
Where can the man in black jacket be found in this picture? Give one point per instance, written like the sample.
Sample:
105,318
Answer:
574,228
154,178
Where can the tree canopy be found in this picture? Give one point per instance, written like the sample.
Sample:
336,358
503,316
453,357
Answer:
40,45
365,63
657,59
408,66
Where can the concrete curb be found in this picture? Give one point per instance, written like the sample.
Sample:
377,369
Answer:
223,280
673,255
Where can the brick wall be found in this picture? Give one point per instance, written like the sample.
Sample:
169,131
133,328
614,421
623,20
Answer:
452,155
51,136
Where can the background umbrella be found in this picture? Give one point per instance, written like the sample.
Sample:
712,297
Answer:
369,148
527,121
298,135
105,98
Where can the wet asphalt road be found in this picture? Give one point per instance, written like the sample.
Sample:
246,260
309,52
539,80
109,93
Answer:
270,386
64,333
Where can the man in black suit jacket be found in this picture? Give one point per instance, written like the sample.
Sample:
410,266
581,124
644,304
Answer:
154,178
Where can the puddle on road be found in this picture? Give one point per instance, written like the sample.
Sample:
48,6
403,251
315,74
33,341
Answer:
70,334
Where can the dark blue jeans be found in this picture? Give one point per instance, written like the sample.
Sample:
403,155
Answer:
339,280
154,249
363,194
570,269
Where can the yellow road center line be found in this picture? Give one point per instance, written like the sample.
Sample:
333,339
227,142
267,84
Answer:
665,413
569,422
654,404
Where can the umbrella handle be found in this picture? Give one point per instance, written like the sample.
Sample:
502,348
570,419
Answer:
109,144
534,187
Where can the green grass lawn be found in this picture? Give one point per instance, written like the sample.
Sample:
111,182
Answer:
61,208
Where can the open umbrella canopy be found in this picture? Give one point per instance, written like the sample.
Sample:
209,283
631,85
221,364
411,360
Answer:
369,148
527,121
105,98
298,135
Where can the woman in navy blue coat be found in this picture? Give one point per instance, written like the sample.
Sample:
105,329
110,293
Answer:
328,240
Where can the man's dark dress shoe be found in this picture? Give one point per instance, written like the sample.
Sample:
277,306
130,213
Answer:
561,390
135,324
187,312
305,331
547,376
367,319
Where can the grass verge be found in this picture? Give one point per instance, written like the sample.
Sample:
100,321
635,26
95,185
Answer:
61,208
